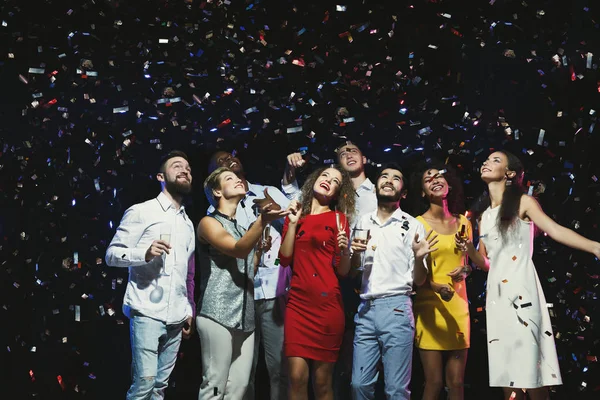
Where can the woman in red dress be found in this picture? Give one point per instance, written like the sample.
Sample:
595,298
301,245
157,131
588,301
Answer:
315,244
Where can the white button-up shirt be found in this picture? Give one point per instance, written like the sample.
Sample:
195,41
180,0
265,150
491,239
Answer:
142,224
388,262
366,198
271,280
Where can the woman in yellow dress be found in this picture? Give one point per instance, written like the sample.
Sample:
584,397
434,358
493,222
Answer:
441,307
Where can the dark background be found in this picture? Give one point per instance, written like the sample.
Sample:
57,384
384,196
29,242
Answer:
494,61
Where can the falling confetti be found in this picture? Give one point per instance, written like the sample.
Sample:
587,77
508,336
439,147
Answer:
95,94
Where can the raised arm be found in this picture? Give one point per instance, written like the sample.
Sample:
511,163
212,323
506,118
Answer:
286,251
283,201
213,232
289,184
423,244
531,209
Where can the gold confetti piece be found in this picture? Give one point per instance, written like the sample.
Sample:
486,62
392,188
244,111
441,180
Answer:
504,280
514,258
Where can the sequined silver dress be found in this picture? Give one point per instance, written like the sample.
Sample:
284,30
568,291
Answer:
226,282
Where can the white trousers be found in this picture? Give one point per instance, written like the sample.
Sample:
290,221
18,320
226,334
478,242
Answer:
226,360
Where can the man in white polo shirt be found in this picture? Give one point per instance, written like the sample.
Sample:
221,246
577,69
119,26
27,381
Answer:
392,261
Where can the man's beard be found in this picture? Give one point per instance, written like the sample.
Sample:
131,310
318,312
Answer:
178,188
388,198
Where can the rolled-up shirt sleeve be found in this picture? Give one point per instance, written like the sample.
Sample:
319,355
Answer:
291,190
123,250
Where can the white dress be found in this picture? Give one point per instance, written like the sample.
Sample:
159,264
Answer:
521,348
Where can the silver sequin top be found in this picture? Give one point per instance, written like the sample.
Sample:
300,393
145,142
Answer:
226,282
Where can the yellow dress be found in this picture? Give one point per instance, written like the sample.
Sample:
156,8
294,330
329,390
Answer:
443,325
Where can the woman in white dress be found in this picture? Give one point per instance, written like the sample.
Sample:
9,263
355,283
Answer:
521,349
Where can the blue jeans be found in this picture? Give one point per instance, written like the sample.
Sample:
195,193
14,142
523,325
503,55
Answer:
385,330
154,347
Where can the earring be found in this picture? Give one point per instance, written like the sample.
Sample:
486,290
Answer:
449,188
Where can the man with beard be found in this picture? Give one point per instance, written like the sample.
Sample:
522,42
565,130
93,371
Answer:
391,250
271,280
350,158
156,241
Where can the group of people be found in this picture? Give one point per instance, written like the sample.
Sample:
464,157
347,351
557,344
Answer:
275,271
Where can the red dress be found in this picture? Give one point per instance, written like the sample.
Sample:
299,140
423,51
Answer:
314,319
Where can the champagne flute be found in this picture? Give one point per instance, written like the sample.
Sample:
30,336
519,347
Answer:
361,235
340,226
165,236
157,293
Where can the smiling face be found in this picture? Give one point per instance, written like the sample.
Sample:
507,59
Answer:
328,183
351,159
434,184
228,160
176,176
390,186
495,168
230,186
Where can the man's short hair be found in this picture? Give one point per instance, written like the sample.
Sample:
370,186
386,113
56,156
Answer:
171,154
390,165
346,143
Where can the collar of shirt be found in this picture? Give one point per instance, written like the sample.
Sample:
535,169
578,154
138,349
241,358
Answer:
165,204
397,215
367,185
253,189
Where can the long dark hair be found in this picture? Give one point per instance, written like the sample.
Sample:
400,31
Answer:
420,204
345,200
511,199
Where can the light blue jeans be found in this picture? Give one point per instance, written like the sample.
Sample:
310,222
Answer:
154,347
385,330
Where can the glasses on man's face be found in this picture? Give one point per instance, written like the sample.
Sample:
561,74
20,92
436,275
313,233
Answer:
346,152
